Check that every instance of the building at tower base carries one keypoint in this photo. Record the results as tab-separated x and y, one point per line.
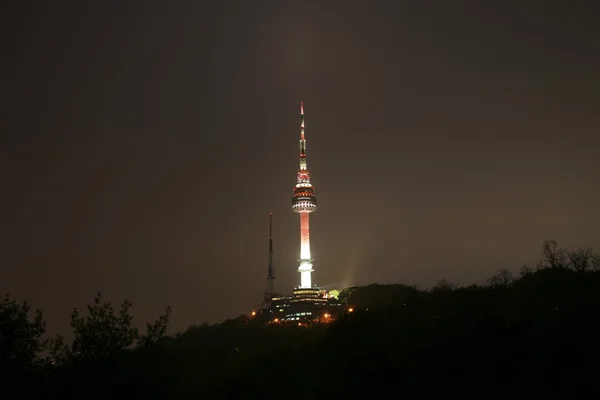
305	305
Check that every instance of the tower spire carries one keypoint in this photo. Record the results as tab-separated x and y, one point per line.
302	140
301	120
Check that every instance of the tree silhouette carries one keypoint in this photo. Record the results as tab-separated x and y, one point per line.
552	255
444	285
102	333
595	262
503	279
157	330
20	338
20	346
581	259
528	333
109	355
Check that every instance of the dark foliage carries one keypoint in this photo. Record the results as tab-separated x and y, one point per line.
532	335
20	346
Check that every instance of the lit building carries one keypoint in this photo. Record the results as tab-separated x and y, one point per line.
311	304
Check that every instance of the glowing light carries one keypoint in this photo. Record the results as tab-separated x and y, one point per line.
304	237
305	269
276	319
350	309
305	266
303	176
253	313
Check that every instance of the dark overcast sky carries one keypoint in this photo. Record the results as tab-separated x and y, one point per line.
145	142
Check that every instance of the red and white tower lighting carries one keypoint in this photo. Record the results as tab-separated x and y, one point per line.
304	202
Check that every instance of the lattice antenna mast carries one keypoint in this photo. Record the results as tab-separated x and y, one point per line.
270	292
271	271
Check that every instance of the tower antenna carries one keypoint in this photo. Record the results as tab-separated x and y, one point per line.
270	292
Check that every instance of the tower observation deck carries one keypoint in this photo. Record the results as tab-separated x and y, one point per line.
304	202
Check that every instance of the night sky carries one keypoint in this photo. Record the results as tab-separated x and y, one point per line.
144	144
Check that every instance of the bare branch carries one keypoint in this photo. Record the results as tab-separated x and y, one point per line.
552	255
595	262
444	285
581	258
503	279
525	270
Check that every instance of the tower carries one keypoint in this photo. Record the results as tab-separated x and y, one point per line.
304	202
270	292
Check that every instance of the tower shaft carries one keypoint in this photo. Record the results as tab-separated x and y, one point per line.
304	237
305	267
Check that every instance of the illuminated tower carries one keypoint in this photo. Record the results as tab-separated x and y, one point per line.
304	202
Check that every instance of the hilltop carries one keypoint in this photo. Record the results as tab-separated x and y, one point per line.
533	332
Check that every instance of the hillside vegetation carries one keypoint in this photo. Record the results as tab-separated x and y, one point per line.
534	333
